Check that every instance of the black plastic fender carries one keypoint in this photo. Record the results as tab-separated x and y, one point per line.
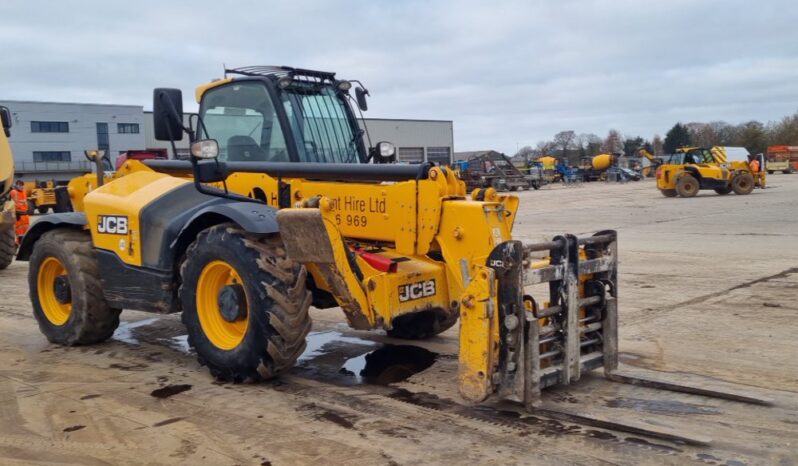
76	220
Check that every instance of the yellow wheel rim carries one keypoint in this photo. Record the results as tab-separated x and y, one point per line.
55	311
223	334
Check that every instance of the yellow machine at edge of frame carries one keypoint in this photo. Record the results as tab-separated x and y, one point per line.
279	208
8	240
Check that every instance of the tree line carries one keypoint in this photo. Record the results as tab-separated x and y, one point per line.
755	136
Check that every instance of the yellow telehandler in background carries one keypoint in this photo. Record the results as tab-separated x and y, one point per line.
283	205
8	244
695	168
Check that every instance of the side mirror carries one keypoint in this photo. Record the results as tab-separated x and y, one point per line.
361	94
383	152
205	149
5	117
167	114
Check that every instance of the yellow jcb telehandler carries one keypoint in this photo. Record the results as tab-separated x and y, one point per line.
695	168
282	206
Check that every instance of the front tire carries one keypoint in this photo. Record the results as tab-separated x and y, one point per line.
669	192
66	291
245	304
687	186
742	183
8	246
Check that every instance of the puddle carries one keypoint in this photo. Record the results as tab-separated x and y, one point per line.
321	343
124	332
170	390
179	343
660	406
336	358
389	364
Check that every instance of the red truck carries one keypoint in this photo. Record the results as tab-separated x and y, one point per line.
146	154
782	158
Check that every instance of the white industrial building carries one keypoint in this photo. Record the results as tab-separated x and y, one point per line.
48	138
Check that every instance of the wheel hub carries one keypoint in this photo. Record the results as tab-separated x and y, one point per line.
232	303
62	290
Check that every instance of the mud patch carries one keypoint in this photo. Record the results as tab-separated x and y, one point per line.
338	418
660	406
170	390
73	428
652	445
166	422
128	367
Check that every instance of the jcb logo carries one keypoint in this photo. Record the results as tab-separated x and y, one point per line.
416	290
112	224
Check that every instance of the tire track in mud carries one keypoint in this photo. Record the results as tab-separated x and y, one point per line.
493	425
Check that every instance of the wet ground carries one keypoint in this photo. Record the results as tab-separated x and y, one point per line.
708	294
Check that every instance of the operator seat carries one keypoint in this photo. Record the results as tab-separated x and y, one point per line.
244	149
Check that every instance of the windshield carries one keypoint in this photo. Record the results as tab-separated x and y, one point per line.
243	119
320	124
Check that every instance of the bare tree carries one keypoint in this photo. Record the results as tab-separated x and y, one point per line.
526	153
657	144
564	140
613	142
545	147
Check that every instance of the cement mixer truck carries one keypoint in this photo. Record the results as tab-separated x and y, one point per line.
606	167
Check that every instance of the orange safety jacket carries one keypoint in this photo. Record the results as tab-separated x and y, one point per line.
20	199
754	166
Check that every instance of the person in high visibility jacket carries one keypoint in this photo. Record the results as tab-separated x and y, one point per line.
20	199
758	172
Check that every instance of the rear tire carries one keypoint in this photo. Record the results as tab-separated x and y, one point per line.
723	191
68	255
669	192
742	183
421	325
274	300
770	172
687	186
8	245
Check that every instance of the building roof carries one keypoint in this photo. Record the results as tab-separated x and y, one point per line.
40	102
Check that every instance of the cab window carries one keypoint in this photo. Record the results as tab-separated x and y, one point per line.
242	119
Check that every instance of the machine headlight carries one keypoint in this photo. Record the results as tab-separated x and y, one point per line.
205	149
386	149
344	85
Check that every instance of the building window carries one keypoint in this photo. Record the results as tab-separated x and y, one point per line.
439	155
49	127
127	128
102	137
411	154
52	156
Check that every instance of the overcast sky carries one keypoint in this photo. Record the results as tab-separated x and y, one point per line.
507	73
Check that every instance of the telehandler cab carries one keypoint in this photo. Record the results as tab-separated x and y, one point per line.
279	209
